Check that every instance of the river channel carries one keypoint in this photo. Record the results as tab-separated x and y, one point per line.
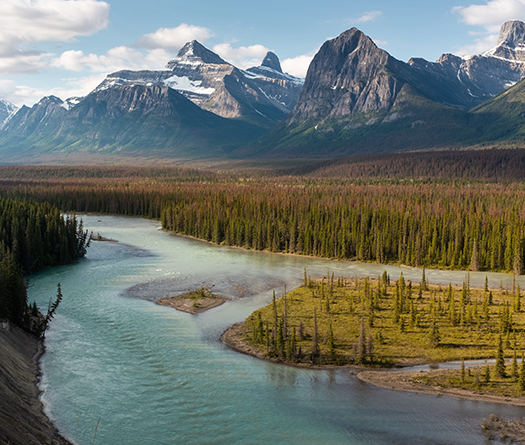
122	370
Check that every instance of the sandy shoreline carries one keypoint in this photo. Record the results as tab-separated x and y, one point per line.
385	378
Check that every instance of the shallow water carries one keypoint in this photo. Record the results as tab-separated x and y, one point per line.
148	374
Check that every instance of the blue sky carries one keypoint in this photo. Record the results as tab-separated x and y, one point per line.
66	47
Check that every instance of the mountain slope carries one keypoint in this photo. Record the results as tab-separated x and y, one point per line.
7	110
358	99
262	97
126	119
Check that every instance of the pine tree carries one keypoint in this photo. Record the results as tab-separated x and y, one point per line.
315	338
275	324
521	378
434	335
293	345
331	344
361	343
514	369
499	369
487	374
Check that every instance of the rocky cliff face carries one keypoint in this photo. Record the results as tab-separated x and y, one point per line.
348	75
7	110
355	94
38	119
22	418
473	79
124	119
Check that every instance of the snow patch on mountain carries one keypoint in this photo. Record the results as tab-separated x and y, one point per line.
185	84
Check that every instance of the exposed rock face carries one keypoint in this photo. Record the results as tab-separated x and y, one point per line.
193	53
473	79
126	117
38	118
22	419
272	61
263	96
7	110
349	74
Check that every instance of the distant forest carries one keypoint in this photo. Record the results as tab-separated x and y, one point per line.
457	210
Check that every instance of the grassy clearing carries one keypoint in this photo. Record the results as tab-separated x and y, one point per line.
381	322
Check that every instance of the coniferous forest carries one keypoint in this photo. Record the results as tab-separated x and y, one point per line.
459	223
33	236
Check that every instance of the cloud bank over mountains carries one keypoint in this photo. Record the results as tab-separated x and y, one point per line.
27	27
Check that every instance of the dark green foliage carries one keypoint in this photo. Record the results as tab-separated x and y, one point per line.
499	369
434	335
514	368
425	223
33	236
521	378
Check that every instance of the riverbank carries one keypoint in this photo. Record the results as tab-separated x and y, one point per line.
408	381
402	380
22	418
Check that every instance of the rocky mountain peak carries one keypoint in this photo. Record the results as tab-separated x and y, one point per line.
272	61
50	100
348	75
194	53
512	33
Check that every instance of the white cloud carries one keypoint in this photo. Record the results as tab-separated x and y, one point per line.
480	45
297	66
23	62
119	58
242	57
24	94
172	39
366	17
29	21
26	22
492	14
380	42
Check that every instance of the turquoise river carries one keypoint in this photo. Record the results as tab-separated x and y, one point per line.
119	369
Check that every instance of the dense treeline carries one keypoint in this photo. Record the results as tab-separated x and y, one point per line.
446	224
504	165
425	224
33	236
480	165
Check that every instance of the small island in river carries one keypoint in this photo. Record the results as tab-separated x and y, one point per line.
194	302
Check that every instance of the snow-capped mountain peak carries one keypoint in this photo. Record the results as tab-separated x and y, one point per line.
193	53
7	111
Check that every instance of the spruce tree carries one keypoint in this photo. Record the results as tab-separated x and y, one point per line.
434	335
499	369
521	378
514	369
331	344
315	339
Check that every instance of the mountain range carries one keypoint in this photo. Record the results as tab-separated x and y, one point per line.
356	98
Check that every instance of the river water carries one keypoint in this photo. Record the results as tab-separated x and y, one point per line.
123	370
